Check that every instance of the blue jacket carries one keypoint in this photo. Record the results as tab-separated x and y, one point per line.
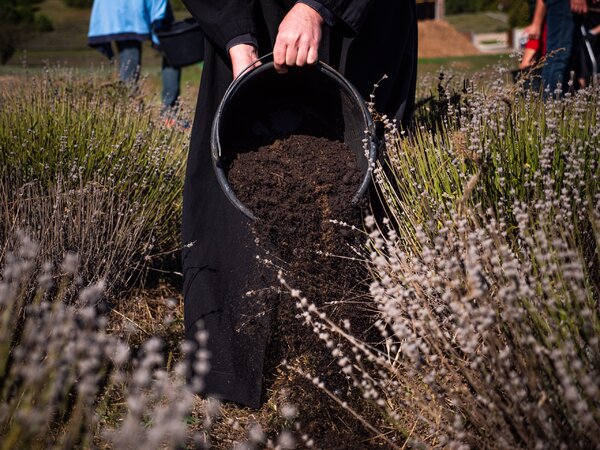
119	20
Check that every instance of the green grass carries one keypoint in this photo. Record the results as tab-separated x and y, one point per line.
465	65
478	22
66	46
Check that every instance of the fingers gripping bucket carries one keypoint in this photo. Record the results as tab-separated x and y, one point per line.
261	106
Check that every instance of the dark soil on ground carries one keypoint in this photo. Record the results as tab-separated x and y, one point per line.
296	187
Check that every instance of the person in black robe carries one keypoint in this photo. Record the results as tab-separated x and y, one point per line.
364	40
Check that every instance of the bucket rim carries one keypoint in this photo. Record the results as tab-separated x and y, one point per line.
268	65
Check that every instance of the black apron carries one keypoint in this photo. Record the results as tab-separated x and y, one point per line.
220	263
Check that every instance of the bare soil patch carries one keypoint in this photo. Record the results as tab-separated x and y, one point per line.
439	39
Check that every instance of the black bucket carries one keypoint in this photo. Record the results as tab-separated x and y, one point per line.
262	105
183	43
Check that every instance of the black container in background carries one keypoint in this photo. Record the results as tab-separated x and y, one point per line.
183	43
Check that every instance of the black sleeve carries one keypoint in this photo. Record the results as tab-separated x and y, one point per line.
223	20
351	12
328	17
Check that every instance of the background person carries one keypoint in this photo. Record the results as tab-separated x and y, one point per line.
535	47
364	39
559	44
128	23
536	33
587	31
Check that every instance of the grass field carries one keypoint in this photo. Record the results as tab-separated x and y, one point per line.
464	64
66	46
484	22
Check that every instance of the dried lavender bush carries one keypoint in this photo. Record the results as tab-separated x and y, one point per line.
85	168
486	278
65	382
60	371
91	173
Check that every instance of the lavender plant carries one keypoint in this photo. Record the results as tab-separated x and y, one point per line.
66	382
87	169
485	278
60	371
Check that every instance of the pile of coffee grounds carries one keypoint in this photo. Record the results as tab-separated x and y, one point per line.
296	187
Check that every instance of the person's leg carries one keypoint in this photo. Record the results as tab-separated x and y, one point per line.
219	259
171	78
592	25
595	43
560	42
130	55
578	61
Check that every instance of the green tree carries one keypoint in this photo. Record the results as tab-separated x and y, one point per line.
17	16
465	6
519	14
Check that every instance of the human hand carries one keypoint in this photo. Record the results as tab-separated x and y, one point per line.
243	55
533	31
528	59
298	38
579	6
